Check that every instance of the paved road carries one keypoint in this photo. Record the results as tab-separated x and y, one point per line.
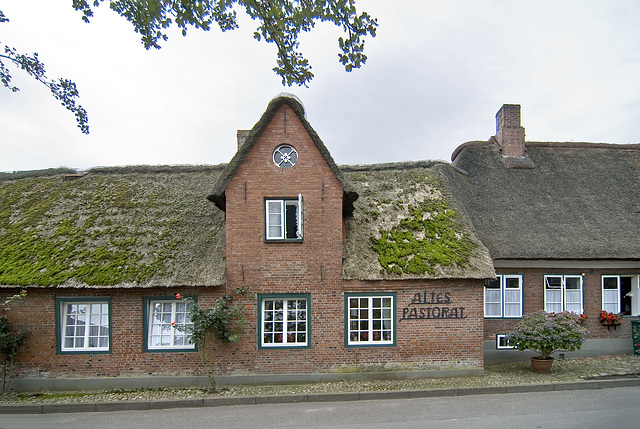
607	408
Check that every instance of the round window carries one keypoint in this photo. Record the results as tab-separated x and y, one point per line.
285	156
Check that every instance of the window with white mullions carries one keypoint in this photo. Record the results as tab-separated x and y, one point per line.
85	326
621	294
370	320
503	296
284	219
611	294
563	293
169	325
284	322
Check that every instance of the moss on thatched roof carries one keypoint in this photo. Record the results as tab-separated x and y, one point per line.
132	226
218	193
152	226
405	226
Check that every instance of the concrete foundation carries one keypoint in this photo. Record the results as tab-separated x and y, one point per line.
151	382
590	348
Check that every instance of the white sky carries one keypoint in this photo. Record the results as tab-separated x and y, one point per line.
437	73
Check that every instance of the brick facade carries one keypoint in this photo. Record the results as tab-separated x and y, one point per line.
436	323
533	300
311	267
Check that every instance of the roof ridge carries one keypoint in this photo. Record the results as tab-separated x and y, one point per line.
585	145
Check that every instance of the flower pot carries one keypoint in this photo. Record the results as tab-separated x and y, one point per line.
541	366
609	324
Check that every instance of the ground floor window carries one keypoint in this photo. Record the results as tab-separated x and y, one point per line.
84	325
168	324
503	296
284	320
563	293
370	319
621	294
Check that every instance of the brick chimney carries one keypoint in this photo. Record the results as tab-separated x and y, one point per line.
509	133
242	136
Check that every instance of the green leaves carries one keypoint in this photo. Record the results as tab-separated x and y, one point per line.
63	90
224	320
545	333
9	345
280	22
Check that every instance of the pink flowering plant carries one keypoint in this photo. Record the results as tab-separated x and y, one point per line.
223	321
546	333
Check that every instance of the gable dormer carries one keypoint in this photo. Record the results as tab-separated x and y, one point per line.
278	118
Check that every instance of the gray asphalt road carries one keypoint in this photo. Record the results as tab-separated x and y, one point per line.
608	408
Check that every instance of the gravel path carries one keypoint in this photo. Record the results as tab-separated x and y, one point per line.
569	370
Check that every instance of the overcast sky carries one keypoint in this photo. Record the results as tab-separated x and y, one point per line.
437	73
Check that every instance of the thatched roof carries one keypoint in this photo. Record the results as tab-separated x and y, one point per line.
218	193
579	201
405	226
124	227
152	226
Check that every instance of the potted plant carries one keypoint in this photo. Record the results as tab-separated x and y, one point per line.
610	318
546	333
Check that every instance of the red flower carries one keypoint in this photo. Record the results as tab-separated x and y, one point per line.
173	323
248	307
178	296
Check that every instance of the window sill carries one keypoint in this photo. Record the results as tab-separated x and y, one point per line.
84	352
167	350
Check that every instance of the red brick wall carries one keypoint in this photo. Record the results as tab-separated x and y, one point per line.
533	295
38	357
313	266
430	343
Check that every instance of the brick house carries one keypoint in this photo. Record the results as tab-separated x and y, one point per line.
103	255
354	271
562	224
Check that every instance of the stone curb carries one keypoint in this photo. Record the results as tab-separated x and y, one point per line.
160	404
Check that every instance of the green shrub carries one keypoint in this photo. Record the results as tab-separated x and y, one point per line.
546	333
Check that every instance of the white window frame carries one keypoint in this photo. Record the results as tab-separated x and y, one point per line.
504	280
615	306
172	321
609	305
368	324
284	321
285	156
275	218
502	342
563	303
83	322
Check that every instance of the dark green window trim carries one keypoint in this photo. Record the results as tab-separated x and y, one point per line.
277	296
394	323
145	324
59	324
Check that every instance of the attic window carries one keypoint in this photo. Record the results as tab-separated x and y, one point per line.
284	219
285	156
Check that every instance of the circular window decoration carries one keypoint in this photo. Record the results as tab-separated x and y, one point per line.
285	156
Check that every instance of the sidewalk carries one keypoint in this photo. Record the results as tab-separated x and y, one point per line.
574	374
